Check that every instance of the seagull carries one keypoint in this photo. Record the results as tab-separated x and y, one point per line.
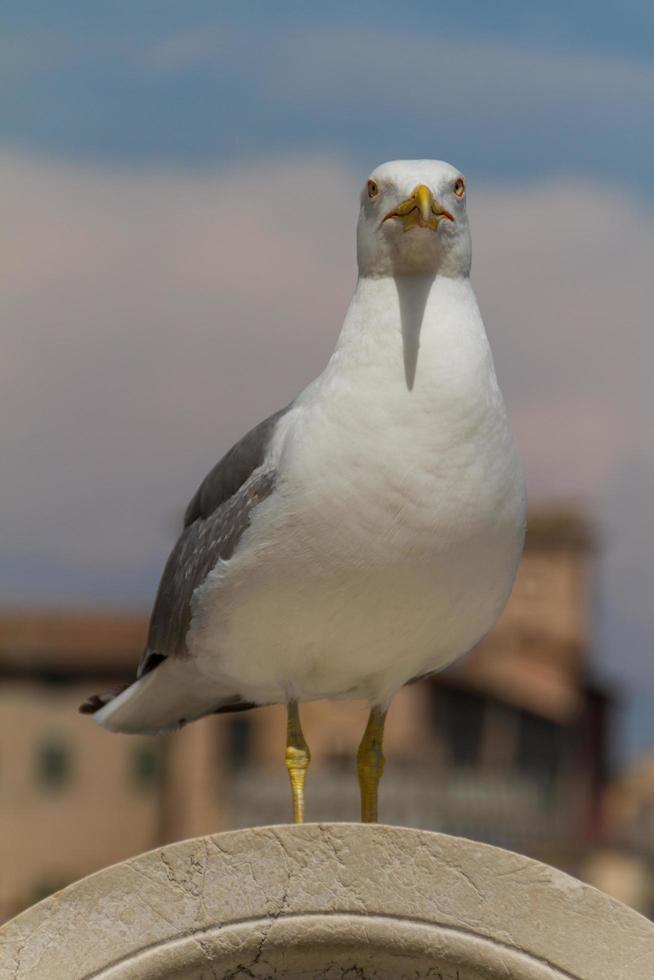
368	534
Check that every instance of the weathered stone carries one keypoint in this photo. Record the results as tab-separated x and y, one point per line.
329	901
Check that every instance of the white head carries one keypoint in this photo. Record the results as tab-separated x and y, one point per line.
413	221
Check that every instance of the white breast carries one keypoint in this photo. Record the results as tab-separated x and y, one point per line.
391	542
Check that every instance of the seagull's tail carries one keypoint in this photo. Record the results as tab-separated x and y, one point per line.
160	701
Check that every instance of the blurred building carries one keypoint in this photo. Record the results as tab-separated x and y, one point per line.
71	800
508	746
630	807
624	867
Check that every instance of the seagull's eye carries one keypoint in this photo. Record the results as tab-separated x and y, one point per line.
373	188
459	186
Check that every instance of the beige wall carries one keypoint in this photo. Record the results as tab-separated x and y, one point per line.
98	815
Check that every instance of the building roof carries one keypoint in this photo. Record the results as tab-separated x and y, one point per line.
561	525
64	639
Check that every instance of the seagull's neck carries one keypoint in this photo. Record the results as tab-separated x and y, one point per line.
388	296
412	331
438	308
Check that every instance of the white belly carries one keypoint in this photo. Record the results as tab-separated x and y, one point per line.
354	591
353	634
390	544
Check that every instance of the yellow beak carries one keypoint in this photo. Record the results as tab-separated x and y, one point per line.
421	209
425	199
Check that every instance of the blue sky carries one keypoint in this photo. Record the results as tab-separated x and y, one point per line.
126	130
519	89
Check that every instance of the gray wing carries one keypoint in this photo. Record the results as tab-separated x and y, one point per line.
214	521
232	471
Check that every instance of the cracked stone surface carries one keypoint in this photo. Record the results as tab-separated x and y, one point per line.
328	902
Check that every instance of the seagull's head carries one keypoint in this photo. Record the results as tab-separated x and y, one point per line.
413	221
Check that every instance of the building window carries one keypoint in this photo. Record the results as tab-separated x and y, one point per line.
539	750
459	716
53	764
238	748
146	767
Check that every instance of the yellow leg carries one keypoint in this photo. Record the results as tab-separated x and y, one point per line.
298	758
370	764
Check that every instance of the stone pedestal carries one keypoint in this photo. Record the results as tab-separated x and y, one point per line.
329	901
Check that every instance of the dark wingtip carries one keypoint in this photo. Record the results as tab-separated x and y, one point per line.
97	701
91	705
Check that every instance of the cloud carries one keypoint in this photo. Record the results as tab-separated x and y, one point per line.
147	321
149	318
200	90
186	50
372	67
